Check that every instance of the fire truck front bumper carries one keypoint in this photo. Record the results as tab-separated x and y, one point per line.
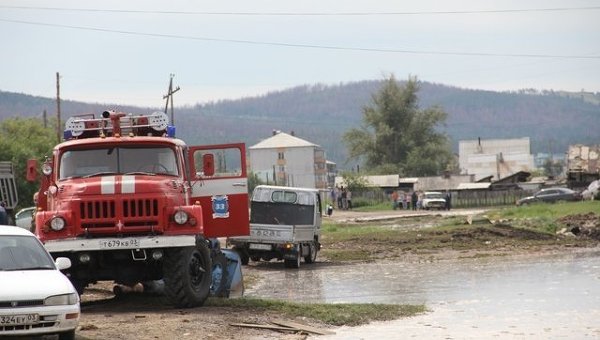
118	243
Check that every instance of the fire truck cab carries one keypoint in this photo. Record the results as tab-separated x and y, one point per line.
128	202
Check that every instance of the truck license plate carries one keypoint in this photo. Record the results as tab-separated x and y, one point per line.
119	243
259	246
22	319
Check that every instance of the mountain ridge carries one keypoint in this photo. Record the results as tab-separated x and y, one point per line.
322	113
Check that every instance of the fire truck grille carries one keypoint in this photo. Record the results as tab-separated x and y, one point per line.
140	208
129	212
97	209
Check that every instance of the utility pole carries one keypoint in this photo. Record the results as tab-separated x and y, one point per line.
58	128
169	96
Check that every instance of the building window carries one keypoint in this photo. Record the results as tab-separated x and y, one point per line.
280	155
282	169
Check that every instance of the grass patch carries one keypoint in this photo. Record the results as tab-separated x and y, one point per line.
542	217
516	228
544	210
350	314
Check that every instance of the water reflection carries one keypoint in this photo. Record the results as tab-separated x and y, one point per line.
527	296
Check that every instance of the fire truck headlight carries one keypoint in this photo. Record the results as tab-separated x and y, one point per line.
181	217
57	223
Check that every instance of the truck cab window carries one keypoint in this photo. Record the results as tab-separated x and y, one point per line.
118	160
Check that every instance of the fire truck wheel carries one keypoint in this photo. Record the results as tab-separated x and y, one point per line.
187	275
220	275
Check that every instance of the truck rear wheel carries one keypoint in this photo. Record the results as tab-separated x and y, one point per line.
187	275
312	253
294	263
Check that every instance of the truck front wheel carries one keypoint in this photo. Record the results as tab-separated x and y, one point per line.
187	275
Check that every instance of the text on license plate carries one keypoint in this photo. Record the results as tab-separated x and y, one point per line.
119	243
23	319
260	246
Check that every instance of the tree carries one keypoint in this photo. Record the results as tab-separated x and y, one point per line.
397	136
22	139
354	181
253	181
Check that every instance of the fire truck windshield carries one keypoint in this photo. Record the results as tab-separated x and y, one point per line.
147	160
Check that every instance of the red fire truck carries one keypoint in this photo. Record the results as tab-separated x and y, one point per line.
126	201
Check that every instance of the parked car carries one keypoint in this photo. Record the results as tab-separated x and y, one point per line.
35	297
433	200
23	218
551	195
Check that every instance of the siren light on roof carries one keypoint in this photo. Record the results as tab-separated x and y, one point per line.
118	123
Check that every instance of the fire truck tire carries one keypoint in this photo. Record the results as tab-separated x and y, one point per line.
312	253
187	275
220	275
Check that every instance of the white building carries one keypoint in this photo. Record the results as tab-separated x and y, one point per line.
495	157
285	159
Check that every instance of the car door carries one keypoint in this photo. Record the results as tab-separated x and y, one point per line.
219	182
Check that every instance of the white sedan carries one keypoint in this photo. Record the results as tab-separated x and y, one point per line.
35	297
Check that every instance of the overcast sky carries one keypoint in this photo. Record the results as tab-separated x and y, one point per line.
124	51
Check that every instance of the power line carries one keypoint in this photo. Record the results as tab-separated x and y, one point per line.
311	46
96	10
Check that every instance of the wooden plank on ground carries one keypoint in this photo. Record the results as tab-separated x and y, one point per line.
272	327
299	326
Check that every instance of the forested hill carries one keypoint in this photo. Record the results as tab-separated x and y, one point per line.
321	114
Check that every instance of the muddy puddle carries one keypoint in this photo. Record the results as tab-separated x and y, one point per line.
551	296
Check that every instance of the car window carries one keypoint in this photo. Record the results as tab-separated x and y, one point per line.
23	253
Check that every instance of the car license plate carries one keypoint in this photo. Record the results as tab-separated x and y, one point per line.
22	319
259	246
119	243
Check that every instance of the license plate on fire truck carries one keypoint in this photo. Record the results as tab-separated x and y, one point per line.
21	319
119	243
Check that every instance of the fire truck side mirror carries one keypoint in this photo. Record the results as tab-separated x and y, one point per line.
32	174
208	164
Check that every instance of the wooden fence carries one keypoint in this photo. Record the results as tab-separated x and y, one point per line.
460	199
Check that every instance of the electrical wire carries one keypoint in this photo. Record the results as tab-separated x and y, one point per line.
525	10
311	46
